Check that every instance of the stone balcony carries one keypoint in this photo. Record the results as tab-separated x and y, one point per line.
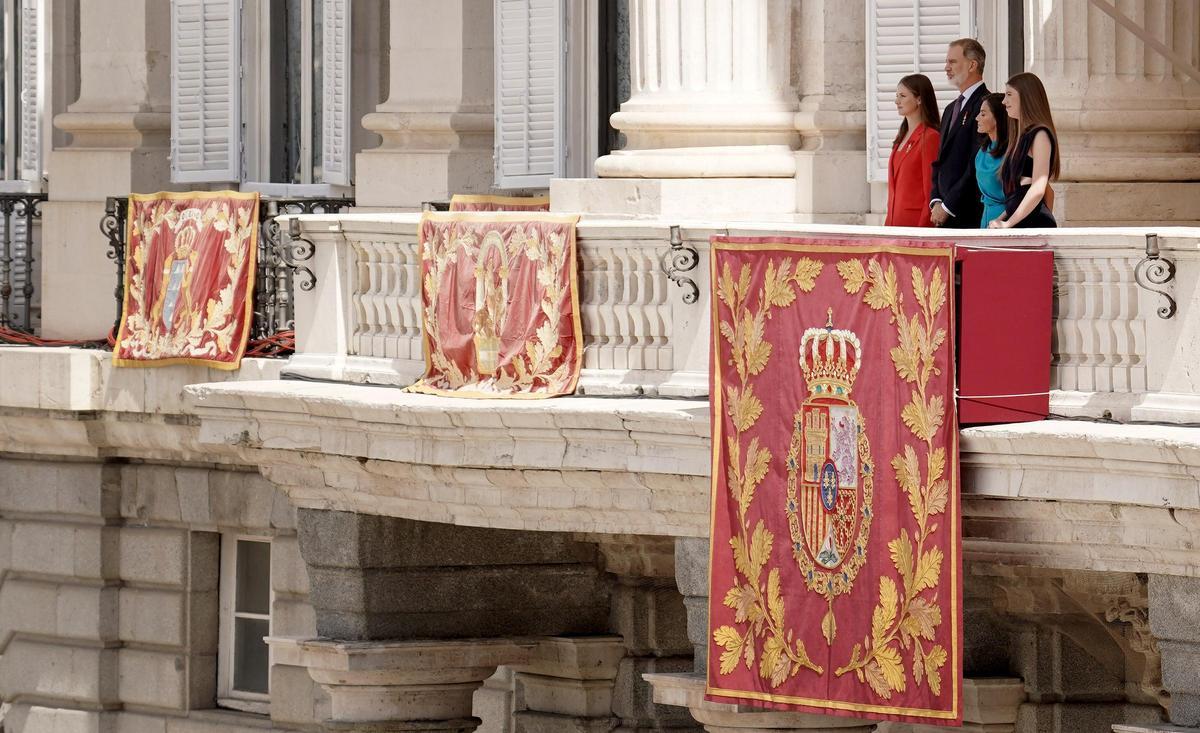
629	455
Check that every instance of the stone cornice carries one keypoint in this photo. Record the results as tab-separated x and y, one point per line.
1058	493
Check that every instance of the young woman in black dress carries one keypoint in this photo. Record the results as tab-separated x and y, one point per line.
1032	159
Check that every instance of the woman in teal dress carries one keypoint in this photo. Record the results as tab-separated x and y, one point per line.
992	122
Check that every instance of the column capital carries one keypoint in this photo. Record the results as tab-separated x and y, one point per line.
687	690
401	685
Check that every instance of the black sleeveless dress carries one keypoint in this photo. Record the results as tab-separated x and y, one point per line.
1018	166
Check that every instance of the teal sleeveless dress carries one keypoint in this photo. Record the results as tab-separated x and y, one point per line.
987	175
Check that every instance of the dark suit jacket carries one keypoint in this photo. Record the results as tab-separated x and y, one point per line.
954	169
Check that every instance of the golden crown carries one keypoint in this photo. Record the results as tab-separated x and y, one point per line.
830	359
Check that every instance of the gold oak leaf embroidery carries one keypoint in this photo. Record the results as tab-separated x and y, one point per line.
907	616
757	602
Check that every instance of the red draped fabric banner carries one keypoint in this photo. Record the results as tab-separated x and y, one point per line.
189	278
500	301
836	546
470	202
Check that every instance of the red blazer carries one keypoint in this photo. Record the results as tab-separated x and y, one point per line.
910	176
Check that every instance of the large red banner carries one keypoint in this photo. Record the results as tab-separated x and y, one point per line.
500	304
836	564
189	275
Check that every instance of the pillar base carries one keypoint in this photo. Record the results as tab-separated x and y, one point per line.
687	690
390	687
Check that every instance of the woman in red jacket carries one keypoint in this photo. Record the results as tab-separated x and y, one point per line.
910	167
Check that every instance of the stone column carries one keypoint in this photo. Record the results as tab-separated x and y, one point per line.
738	107
709	125
1175	623
647	611
1127	115
436	124
691	575
120	133
388	687
712	75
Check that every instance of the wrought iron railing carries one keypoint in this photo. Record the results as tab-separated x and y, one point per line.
280	267
18	253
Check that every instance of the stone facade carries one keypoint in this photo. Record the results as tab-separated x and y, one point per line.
445	565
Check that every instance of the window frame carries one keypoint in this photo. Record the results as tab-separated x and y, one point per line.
227	696
252	49
14	175
256	106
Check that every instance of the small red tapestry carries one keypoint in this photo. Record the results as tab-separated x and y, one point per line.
189	277
836	542
500	302
469	202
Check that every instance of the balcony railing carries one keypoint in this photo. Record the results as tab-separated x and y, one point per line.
281	268
20	220
1114	354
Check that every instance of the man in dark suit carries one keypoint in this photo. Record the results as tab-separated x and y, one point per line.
954	197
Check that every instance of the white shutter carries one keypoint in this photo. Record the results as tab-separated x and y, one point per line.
336	156
30	163
906	37
205	91
529	92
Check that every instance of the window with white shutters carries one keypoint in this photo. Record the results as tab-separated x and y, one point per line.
23	120
22	79
31	113
529	92
906	37
205	91
335	81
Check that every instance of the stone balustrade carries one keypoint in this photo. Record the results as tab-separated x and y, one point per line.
1113	355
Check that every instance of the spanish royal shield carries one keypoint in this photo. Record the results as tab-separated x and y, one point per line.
835	563
829	485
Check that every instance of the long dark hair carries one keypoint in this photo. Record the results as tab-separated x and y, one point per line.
920	87
995	104
1035	113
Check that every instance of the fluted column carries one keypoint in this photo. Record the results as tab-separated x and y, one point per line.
1126	112
712	75
737	107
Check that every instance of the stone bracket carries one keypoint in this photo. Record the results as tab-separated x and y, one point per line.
1155	269
679	260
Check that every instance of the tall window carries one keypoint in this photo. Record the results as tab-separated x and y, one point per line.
243	659
22	90
261	92
557	80
907	37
